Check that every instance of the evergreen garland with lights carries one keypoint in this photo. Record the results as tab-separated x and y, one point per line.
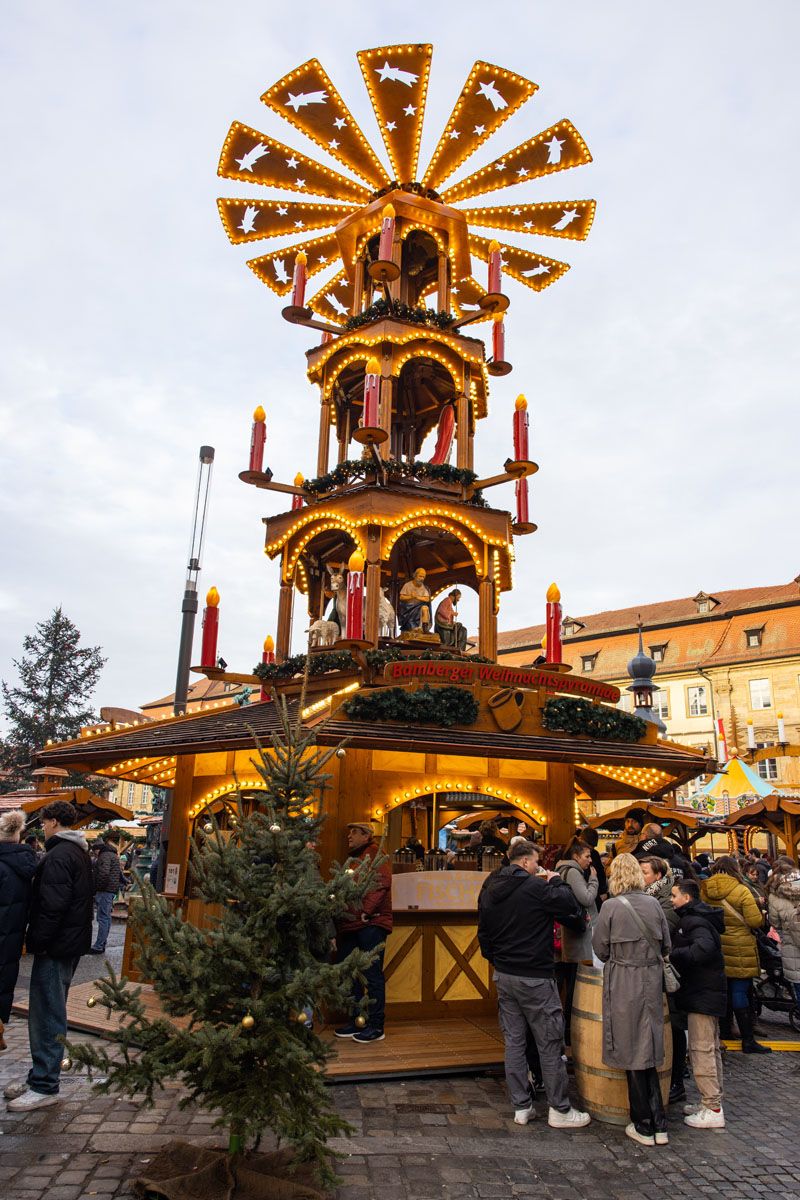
427	706
360	468
237	997
402	312
581	716
342	660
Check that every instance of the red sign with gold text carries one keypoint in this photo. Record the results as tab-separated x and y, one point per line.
466	673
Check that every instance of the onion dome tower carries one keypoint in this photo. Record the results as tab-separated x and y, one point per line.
403	381
641	670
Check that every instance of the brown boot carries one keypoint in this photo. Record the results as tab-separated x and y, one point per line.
3	1045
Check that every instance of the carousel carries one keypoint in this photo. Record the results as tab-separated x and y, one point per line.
392	525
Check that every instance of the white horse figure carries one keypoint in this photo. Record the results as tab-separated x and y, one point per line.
326	630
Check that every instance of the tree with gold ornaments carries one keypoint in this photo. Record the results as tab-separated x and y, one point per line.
239	998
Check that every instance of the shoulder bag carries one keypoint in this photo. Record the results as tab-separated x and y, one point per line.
672	980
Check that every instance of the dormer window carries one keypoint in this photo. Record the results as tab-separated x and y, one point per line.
753	637
569	627
705	603
657	652
588	662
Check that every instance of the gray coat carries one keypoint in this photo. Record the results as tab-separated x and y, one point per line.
784	913
633	987
577	947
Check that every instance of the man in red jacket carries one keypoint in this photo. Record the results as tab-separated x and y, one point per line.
367	929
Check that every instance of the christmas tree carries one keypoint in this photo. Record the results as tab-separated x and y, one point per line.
238	998
50	702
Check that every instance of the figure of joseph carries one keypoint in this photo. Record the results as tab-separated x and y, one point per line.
414	609
446	623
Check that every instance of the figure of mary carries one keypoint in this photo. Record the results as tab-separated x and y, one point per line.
414	608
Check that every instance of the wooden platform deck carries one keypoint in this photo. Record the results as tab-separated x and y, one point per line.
445	1046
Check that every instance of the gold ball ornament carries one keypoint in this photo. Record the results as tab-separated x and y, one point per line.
208	827
301	1018
66	1064
349	871
360	1022
274	828
248	1021
90	1003
340	753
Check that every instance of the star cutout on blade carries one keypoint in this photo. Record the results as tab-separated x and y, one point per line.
492	95
479	129
249	219
298	224
281	210
334	145
410	110
454	135
303	98
340	122
498	166
528	224
391	126
300	182
517	212
292	163
247	161
554	149
522	172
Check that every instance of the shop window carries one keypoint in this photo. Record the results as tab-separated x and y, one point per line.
760	693
767	767
661	703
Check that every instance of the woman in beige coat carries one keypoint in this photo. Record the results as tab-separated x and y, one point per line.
633	994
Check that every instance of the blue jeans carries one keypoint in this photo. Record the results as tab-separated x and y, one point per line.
371	937
47	1020
103	902
739	992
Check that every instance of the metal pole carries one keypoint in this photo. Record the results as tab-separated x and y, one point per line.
189	606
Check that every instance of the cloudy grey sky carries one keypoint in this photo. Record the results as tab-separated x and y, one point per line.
661	372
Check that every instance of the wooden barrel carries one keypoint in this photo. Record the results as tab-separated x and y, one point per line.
603	1091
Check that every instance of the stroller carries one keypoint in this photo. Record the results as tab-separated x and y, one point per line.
772	989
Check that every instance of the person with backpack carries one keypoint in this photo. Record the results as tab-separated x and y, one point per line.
107	879
703	995
576	869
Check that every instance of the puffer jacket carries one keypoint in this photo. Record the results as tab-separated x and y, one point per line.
17	868
107	870
577	947
63	894
784	913
738	940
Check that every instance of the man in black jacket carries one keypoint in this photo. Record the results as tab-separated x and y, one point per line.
697	957
107	878
653	843
516	910
59	932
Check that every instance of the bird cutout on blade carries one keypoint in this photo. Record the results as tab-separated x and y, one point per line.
555	149
250	220
275	269
278	166
488	98
534	270
562	218
334	302
396	78
307	99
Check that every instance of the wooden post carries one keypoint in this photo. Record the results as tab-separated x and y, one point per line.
358	289
323	451
283	640
560	802
387	396
373	584
178	847
462	430
487	621
443	293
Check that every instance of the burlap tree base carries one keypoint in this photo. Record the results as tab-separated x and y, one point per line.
181	1171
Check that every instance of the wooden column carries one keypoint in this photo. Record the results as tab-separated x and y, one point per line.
487	621
323	451
559	806
462	431
283	640
373	584
386	398
349	798
443	293
358	289
344	433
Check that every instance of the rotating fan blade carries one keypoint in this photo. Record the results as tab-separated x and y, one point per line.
309	101
275	269
488	98
465	296
250	220
334	301
555	149
562	218
255	158
534	270
397	82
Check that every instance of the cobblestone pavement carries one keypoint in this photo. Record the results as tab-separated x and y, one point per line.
436	1139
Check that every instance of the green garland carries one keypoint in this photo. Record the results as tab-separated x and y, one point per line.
342	660
359	468
403	312
428	706
379	658
603	724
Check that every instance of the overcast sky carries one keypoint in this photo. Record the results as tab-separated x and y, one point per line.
661	372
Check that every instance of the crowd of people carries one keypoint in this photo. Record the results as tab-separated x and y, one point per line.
659	925
47	898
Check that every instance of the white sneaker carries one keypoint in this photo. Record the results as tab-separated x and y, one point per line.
644	1139
13	1090
29	1100
661	1137
706	1118
573	1119
692	1108
523	1115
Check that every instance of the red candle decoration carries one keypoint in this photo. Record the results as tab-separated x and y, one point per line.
495	267
444	435
268	656
326	338
386	246
498	338
297	501
553	624
372	383
257	439
354	621
299	280
520	429
208	653
521	487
